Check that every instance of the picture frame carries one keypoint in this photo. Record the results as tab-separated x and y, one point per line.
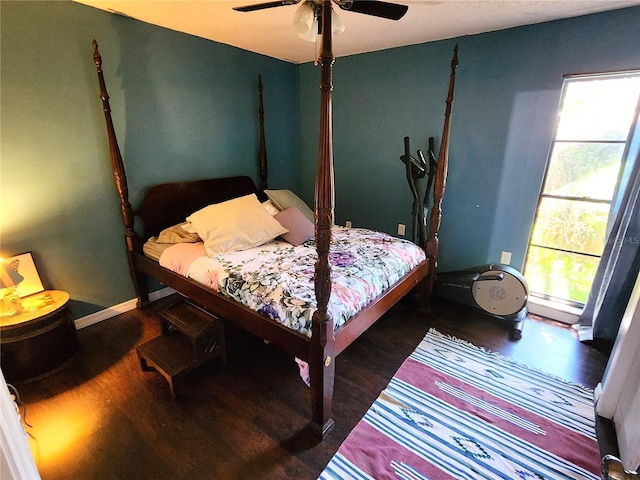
26	267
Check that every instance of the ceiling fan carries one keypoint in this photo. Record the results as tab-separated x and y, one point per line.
391	11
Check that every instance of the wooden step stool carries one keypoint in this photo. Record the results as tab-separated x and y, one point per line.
190	337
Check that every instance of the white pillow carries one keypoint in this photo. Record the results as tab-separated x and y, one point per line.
234	225
270	208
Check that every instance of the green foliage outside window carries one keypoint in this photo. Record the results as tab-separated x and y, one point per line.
571	221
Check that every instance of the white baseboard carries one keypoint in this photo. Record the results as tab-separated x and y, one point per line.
107	313
535	305
554	311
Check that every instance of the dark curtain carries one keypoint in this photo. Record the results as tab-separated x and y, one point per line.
618	268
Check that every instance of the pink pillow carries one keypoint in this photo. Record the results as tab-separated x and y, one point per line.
299	226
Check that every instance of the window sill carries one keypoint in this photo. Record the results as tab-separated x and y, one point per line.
553	310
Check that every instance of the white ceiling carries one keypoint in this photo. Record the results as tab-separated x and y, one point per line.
270	32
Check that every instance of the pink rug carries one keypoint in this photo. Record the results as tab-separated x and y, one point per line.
455	411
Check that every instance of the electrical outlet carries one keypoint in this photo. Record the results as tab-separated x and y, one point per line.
347	224
401	229
505	258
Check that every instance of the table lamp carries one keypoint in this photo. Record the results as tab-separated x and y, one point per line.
9	280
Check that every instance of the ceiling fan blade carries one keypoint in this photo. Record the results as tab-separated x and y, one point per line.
392	11
261	6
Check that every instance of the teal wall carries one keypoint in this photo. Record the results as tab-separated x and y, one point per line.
183	108
507	93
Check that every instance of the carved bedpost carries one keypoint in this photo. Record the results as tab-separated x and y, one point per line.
322	361
440	183
263	147
117	165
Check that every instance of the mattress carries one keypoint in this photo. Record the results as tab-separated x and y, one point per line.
277	278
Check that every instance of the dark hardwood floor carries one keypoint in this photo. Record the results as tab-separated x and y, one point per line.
102	417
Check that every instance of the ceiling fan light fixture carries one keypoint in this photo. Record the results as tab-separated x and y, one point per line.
305	21
336	23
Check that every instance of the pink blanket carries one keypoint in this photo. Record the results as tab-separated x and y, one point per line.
179	257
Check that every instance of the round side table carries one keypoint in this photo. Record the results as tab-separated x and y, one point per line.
40	340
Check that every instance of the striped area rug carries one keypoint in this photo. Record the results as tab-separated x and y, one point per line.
455	411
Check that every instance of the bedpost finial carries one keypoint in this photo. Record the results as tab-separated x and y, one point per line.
96	54
454	60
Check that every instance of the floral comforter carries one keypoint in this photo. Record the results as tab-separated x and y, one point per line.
276	279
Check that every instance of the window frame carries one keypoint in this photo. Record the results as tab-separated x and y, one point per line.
624	160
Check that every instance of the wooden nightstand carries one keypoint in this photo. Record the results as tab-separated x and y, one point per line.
40	340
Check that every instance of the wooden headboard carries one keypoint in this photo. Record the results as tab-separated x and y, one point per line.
168	204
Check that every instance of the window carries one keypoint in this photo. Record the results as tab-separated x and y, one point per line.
596	116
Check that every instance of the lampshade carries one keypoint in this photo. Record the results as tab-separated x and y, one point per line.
305	21
9	277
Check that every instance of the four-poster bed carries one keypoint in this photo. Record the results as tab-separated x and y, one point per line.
169	204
